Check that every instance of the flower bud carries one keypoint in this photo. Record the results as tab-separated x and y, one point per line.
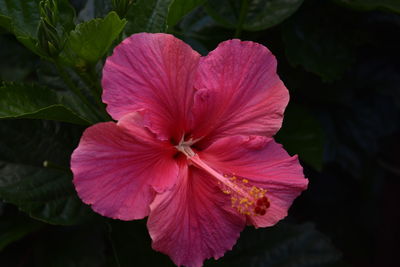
49	35
121	6
49	11
48	39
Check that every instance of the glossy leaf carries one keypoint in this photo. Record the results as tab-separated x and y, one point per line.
302	134
21	17
180	8
45	140
148	16
257	14
16	62
91	40
35	102
200	31
45	193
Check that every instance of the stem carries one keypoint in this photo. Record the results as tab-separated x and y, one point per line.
243	12
52	165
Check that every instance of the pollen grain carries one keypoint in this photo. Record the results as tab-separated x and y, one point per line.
247	199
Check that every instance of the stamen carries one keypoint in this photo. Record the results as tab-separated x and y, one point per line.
246	198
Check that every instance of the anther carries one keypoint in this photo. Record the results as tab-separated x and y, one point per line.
246	198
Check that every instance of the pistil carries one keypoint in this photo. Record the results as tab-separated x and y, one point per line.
246	198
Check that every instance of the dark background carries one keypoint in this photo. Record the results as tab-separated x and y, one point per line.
341	64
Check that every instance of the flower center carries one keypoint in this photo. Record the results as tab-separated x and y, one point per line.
246	198
184	147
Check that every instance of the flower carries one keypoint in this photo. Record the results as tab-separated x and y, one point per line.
192	147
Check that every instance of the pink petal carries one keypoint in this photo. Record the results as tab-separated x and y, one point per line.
155	72
266	164
194	221
117	173
239	92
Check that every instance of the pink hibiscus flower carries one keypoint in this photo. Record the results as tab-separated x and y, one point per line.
192	147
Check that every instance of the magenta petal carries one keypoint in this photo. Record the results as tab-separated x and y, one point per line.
265	164
118	174
239	92
194	221
155	72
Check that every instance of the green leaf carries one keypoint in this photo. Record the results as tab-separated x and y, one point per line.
66	14
21	17
390	5
45	193
91	40
57	20
200	31
13	228
121	7
319	44
279	246
302	134
35	102
44	140
257	14
180	8
16	62
148	16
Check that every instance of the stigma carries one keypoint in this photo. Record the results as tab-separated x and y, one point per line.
247	199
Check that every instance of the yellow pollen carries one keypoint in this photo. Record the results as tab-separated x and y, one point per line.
243	200
244	196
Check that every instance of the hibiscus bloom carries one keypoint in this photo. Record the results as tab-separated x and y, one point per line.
192	147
